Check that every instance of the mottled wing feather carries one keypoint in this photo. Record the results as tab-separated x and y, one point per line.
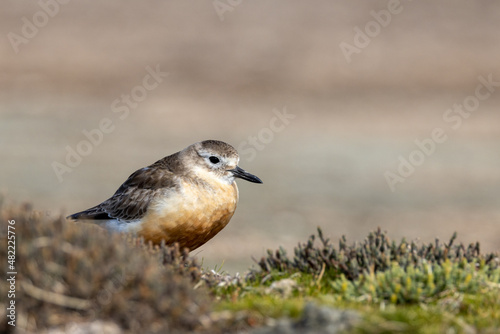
131	200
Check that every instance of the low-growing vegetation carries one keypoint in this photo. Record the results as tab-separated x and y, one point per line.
76	273
72	274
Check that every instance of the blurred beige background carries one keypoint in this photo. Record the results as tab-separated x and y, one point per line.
228	74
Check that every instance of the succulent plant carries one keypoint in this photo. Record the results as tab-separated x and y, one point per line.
375	254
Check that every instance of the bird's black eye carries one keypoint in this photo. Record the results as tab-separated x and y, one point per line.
214	160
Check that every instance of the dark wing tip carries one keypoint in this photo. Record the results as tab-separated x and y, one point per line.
90	215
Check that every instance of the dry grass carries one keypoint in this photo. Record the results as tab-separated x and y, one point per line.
76	273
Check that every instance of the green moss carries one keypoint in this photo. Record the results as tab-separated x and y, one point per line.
273	306
423	289
75	273
481	310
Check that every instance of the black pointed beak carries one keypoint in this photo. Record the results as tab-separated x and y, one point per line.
242	174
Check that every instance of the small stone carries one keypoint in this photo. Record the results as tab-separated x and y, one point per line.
101	327
315	320
285	287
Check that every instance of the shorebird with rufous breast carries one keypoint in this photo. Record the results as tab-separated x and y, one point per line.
187	197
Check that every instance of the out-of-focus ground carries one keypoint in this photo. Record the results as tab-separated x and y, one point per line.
352	121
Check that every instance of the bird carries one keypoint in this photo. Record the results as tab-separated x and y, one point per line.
186	198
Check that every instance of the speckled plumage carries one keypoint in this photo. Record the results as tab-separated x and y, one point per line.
184	198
